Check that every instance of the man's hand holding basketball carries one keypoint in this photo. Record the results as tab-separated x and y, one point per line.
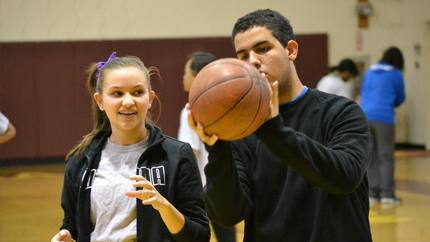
274	102
199	129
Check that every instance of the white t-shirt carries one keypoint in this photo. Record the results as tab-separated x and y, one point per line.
334	85
186	134
4	123
112	212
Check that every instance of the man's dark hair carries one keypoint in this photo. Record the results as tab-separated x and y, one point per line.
277	24
346	65
394	57
200	60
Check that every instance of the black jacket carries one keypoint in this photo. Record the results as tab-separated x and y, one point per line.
181	186
300	177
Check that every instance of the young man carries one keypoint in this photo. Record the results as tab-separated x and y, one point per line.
302	175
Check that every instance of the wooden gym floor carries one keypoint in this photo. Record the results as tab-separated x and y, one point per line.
30	203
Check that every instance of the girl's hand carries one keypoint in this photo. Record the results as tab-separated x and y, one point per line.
173	219
148	194
62	236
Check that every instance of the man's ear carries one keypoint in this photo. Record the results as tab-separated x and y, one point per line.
292	50
98	99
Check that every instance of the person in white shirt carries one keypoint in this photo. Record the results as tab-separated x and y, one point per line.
7	130
335	81
195	63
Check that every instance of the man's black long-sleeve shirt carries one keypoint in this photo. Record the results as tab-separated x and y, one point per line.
300	177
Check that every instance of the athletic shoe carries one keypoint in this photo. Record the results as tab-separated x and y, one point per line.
390	200
373	200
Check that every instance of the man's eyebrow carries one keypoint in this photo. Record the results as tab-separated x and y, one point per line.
256	45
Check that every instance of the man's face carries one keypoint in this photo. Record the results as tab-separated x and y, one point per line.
261	49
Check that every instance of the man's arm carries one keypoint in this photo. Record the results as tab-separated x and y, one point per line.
338	166
228	188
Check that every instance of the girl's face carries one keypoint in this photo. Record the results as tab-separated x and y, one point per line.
126	99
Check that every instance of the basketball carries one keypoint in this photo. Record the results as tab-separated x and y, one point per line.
230	98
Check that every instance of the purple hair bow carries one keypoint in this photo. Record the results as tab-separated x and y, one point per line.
102	63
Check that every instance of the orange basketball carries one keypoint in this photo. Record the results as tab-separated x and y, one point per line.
230	98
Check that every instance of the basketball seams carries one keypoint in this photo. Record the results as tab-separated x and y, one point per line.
216	84
250	75
261	84
256	113
232	107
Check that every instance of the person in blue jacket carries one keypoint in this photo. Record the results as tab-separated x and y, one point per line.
383	90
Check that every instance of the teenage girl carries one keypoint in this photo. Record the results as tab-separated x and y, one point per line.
126	181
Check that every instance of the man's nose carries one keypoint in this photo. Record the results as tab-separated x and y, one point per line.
254	60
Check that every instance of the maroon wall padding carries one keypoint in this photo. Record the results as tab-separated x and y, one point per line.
18	99
43	85
312	60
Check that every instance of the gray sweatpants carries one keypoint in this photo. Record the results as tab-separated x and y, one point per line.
381	167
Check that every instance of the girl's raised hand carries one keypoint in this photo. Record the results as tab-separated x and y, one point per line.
62	236
148	194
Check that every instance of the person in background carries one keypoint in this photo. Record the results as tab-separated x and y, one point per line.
302	175
383	90
334	82
7	130
195	63
126	181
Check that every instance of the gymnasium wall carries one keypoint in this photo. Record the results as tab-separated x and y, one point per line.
401	23
43	85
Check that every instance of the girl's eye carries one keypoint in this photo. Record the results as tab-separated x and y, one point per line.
138	93
117	94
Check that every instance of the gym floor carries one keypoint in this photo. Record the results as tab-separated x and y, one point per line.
30	202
